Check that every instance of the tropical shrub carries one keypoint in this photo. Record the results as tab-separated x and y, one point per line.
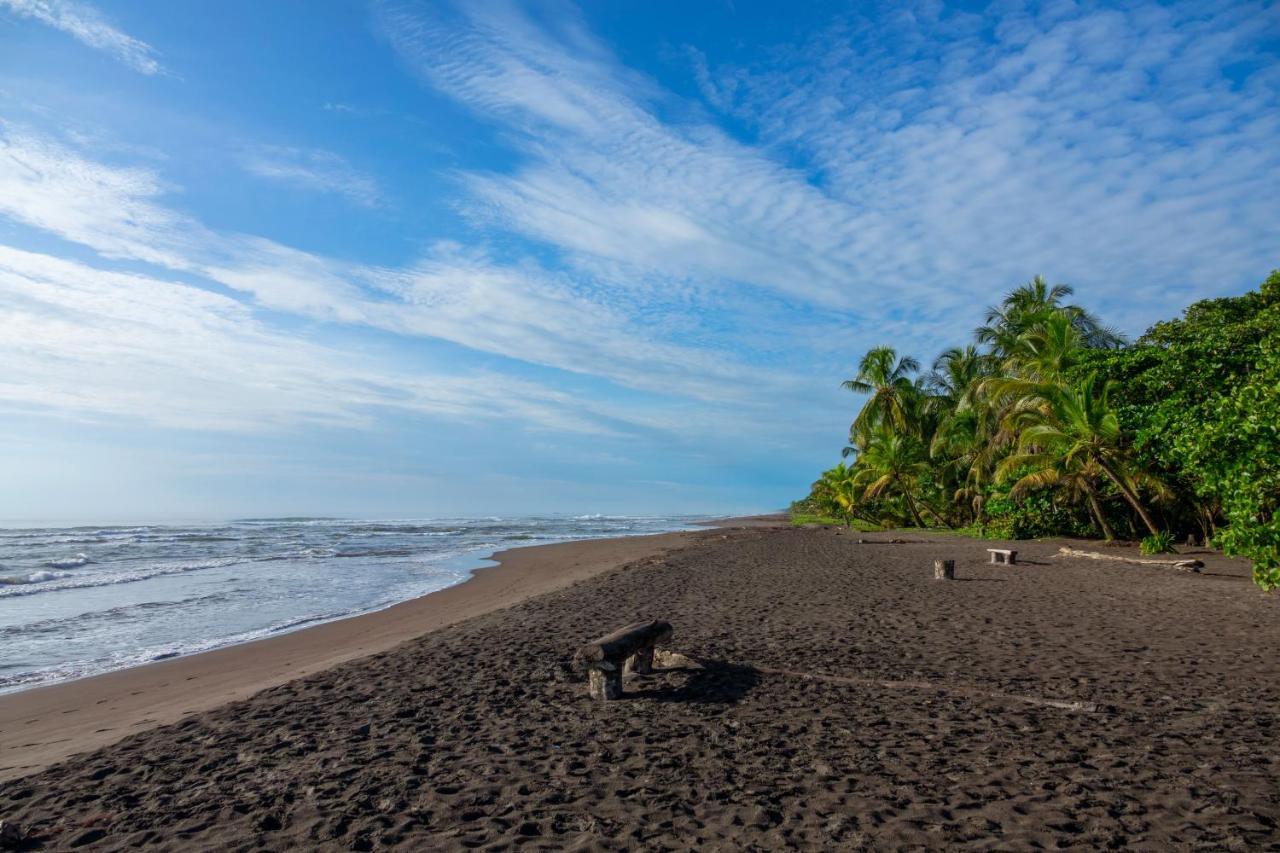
1157	543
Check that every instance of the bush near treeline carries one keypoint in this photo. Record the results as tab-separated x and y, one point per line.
1050	423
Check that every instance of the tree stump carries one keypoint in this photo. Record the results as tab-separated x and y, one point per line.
944	570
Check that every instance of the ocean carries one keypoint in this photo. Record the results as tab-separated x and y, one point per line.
77	601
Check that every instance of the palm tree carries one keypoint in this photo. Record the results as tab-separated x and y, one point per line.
835	488
886	378
1077	482
960	442
956	373
1070	428
892	462
1046	351
1028	306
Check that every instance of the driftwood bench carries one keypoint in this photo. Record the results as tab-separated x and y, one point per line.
604	659
1003	556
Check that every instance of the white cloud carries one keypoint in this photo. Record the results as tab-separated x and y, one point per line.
310	169
90	342
926	168
114	210
83	22
520	311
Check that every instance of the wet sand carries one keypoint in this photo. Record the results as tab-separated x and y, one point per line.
845	699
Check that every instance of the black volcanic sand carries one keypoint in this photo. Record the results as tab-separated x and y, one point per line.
930	723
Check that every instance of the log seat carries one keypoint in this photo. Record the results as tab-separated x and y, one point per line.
1003	556
605	659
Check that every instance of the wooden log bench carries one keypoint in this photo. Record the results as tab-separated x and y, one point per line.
1003	556
605	659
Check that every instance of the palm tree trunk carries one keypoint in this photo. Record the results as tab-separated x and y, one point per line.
1128	495
934	513
1097	512
911	505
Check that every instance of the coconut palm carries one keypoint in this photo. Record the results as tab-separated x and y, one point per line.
1028	306
836	492
1046	351
956	373
1064	429
886	378
893	462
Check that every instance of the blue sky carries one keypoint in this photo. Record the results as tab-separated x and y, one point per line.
405	258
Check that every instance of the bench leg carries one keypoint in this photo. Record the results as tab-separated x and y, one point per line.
642	661
605	683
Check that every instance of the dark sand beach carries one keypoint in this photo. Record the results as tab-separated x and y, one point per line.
846	700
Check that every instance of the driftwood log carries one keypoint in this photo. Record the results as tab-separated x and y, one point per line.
944	570
1180	565
605	659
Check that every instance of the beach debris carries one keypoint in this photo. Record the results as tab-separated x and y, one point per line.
667	659
1003	556
944	570
631	647
10	835
1180	565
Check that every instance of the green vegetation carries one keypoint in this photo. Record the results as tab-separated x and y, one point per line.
1051	424
1157	543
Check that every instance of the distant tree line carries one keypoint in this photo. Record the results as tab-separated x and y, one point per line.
1050	423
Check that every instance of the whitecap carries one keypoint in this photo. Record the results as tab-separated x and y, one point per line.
35	577
70	563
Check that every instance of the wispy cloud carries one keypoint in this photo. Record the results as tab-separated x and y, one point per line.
910	163
85	23
310	169
518	310
89	342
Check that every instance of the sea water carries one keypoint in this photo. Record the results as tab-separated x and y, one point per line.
76	601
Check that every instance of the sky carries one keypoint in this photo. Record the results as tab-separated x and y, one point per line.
402	259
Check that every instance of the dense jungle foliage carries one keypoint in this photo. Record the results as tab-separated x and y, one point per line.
1050	423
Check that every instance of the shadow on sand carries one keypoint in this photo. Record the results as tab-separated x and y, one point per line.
715	683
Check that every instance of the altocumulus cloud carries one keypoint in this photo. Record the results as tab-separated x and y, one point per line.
932	158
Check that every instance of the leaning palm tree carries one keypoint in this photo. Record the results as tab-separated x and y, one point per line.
1068	428
886	378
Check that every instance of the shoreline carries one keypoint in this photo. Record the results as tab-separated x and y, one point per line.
44	725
